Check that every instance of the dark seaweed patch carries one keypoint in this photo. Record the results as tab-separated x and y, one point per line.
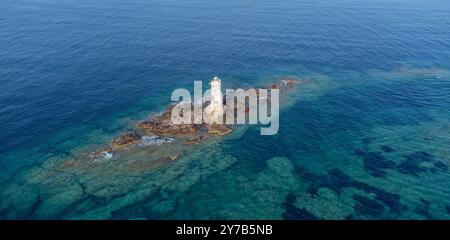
390	199
367	140
361	151
375	163
34	207
350	217
143	208
439	166
366	206
412	163
294	213
423	209
419	156
85	204
386	149
337	180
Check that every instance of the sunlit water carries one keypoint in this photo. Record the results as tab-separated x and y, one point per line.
366	136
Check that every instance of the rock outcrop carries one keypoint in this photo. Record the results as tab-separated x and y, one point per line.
285	83
125	140
161	124
102	154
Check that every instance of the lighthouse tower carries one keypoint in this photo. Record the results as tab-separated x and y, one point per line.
216	101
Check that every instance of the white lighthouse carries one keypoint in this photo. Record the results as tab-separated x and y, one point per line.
216	107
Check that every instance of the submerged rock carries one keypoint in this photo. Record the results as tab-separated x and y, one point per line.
175	156
285	83
145	166
288	82
196	139
101	156
23	199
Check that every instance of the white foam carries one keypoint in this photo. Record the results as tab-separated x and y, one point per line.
103	156
154	140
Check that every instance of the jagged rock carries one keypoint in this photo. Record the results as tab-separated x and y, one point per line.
125	140
285	83
161	124
147	124
288	82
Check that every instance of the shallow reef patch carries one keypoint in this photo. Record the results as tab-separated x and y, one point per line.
323	205
294	213
338	180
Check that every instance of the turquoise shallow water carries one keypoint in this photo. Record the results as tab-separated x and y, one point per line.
365	136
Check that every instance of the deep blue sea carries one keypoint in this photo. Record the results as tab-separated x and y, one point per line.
366	136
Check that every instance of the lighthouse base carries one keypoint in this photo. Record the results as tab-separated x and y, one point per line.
219	129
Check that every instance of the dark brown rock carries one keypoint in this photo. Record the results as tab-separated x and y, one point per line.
161	124
285	83
125	140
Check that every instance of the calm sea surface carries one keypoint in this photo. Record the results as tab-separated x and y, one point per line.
366	137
